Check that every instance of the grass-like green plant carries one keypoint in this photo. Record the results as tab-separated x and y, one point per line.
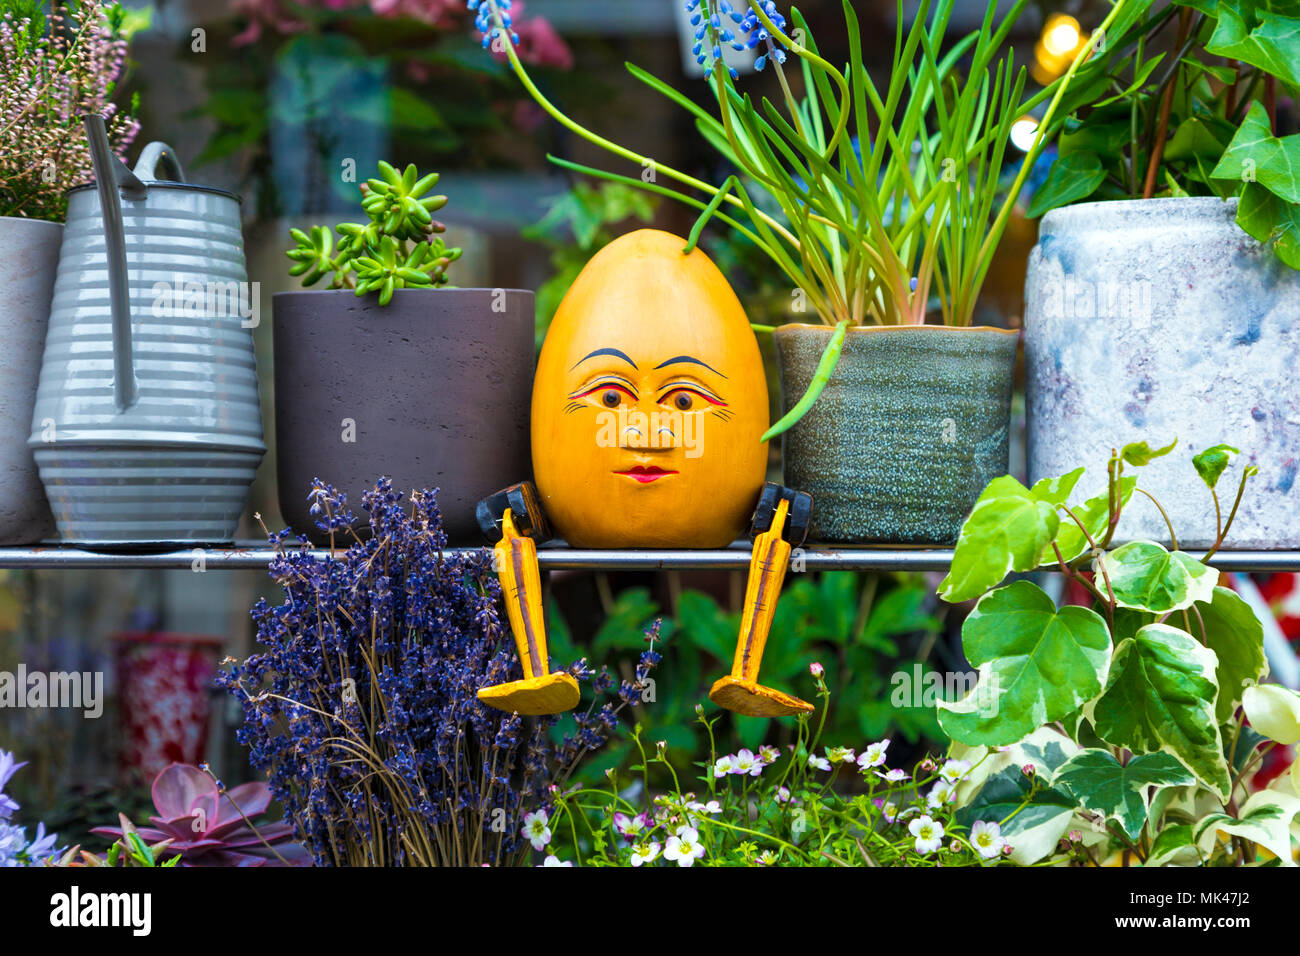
398	247
870	200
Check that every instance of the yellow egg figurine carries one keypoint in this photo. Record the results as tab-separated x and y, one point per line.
649	403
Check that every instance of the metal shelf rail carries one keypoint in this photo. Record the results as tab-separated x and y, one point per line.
256	556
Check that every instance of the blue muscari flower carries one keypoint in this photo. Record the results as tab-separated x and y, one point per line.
760	62
911	283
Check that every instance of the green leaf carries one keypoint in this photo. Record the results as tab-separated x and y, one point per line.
1035	828
1236	636
1072	178
1173	841
1265	819
1009	529
1269	219
1256	155
1210	463
1094	514
1055	491
1272	44
1036	665
1120	792
1140	453
1193	138
707	626
1160	698
1145	576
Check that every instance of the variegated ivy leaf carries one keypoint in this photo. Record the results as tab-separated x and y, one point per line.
1032	825
1147	577
1009	529
1160	698
1120	792
1229	627
1173	844
1094	514
1265	819
1036	665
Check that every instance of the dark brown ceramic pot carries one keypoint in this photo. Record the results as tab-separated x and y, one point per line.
432	390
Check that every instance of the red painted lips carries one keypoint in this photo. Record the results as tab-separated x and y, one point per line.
645	474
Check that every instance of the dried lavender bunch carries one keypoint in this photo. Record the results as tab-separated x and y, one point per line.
54	70
363	706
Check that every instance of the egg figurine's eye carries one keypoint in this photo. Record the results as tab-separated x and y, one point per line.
610	398
682	401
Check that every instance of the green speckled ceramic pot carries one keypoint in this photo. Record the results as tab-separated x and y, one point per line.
913	424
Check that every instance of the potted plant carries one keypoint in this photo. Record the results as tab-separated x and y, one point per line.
387	371
53	69
892	424
1162	294
1137	721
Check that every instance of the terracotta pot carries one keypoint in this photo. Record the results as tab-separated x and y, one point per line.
912	425
432	391
164	684
1157	319
30	251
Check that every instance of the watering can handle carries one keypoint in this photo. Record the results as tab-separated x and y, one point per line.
146	167
112	175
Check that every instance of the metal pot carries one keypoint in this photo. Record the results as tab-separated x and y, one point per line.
30	250
147	428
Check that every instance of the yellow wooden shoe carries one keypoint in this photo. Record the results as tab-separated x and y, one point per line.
754	700
548	694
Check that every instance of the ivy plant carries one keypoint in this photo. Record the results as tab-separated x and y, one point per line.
1187	105
1131	710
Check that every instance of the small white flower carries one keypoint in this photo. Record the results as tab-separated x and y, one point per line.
746	764
874	755
556	861
769	754
782	794
724	766
986	838
954	770
839	754
766	858
818	763
942	792
928	833
645	853
893	776
684	847
889	811
536	831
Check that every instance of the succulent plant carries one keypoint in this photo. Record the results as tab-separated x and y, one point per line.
399	247
130	850
203	824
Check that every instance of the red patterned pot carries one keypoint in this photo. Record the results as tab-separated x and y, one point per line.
163	698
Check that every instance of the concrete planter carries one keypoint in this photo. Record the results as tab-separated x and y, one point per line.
912	425
432	390
1160	319
30	250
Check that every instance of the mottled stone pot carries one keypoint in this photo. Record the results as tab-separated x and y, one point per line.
29	249
912	425
432	390
1159	319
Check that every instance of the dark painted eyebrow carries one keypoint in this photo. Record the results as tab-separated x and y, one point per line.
614	352
688	358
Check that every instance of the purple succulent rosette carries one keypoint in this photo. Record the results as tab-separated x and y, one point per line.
211	828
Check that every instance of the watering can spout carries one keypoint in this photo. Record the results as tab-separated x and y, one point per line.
112	175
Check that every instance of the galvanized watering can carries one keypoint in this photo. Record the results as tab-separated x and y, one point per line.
147	429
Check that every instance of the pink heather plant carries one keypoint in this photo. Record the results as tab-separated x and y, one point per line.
51	74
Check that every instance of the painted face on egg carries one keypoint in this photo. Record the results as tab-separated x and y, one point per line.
649	402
